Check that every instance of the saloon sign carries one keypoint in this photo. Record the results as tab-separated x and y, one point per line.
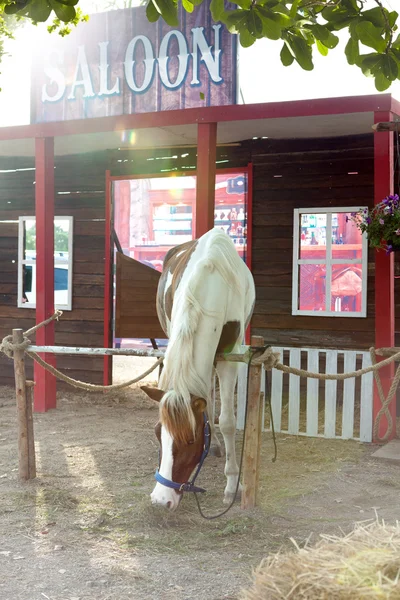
119	63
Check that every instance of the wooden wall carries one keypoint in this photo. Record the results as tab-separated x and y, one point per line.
79	183
313	173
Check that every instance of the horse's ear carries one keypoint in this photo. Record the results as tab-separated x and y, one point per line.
199	404
153	392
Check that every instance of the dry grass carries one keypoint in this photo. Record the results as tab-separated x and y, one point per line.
362	565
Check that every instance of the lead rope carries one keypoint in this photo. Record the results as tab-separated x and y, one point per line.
212	517
267	386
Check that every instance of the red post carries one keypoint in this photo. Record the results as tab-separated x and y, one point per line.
384	266
45	388
108	283
205	182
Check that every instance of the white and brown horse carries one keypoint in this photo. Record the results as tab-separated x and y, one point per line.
205	301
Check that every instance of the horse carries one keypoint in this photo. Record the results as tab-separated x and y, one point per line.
205	300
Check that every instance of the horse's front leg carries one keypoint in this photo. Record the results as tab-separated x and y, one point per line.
227	374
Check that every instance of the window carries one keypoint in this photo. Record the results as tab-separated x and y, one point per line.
329	264
62	262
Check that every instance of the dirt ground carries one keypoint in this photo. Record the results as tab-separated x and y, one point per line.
85	528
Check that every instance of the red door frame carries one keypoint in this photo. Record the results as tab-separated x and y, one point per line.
109	250
384	268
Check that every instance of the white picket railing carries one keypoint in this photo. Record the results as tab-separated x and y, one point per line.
332	409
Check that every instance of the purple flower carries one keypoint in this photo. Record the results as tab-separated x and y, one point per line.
381	221
368	219
347	219
389	249
353	214
397	232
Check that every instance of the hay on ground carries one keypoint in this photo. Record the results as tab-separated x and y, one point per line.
362	565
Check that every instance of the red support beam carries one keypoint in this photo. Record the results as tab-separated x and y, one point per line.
108	283
209	114
384	266
205	181
45	388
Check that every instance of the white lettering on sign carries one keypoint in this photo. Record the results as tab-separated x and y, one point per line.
56	76
86	80
104	90
129	64
201	52
163	58
212	63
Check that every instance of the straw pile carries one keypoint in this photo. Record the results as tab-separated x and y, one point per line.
360	566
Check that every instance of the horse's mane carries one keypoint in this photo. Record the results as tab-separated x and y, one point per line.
179	375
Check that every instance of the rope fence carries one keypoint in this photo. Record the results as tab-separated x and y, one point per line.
269	359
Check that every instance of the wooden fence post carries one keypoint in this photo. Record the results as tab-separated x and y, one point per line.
251	456
22	396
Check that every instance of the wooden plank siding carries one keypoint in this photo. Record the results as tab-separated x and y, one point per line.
291	174
312	173
79	188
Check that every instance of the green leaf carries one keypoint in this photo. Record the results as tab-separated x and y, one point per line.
152	13
370	63
168	10
69	2
246	39
287	57
254	24
396	43
323	34
293	10
335	14
64	13
393	16
244	4
202	96
370	35
302	52
375	16
12	9
188	6
352	51
38	10
236	20
381	82
321	48
390	68
269	21
320	32
217	8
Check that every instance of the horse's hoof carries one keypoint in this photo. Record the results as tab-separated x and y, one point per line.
229	496
216	451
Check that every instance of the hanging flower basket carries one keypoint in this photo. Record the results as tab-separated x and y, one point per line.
381	224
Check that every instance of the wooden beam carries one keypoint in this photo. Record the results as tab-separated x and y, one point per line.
45	388
384	266
21	392
251	453
387	126
205	180
387	351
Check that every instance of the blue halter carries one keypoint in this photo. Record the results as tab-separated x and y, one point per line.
189	485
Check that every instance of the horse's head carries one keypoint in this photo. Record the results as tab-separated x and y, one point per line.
180	432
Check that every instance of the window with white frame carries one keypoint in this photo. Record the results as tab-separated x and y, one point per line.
329	263
63	241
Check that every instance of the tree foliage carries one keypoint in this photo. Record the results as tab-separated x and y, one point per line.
60	239
303	26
